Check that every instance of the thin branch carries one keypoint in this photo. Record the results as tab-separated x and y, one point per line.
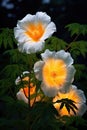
72	42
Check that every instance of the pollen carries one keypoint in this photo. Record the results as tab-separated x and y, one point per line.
35	31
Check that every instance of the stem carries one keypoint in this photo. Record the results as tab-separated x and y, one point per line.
72	42
25	93
29	93
35	98
29	124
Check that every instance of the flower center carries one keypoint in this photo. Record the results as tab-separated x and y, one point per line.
54	72
35	31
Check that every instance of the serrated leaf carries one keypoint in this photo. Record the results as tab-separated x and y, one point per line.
80	69
69	104
16	56
62	105
72	108
79	48
55	44
76	28
5	85
67	107
12	71
7	38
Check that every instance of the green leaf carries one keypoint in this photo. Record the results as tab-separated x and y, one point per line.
5	86
69	104
76	28
67	107
12	71
55	44
43	113
7	38
80	69
16	56
75	122
62	105
79	48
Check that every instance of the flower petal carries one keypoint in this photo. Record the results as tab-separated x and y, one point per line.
43	17
38	69
47	91
66	56
82	109
20	96
31	48
47	54
51	28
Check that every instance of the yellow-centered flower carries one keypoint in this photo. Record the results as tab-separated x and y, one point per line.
75	95
55	71
23	93
32	31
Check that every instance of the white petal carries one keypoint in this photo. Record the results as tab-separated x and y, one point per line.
30	47
20	96
65	56
43	17
70	74
20	35
50	29
82	109
17	80
80	94
28	17
69	79
47	54
25	72
50	92
38	69
24	23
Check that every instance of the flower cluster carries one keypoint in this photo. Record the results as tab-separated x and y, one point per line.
55	70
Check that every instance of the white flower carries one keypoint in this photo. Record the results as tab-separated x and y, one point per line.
23	93
32	31
75	95
55	71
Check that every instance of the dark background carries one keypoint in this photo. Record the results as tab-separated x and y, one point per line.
62	12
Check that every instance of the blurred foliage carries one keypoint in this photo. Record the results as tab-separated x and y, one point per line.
76	28
16	114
